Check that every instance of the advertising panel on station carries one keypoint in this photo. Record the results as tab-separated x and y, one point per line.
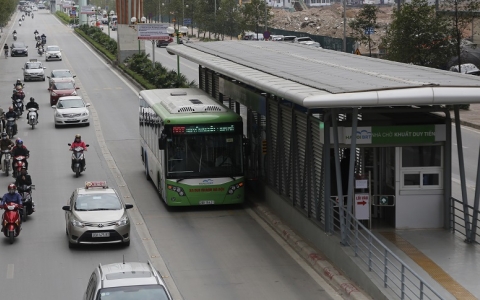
156	31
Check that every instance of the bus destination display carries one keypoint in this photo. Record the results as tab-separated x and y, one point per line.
194	129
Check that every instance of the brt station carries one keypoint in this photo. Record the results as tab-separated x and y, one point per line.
323	125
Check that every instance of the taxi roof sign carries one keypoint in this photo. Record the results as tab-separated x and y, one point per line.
96	184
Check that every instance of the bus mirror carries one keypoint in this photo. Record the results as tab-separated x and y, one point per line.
162	142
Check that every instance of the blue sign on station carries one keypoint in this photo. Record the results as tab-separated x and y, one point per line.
187	21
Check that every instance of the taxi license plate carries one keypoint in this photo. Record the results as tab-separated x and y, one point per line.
71	120
206	202
100	234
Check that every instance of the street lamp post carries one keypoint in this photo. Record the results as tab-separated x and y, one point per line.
109	15
143	20
183	30
133	20
163	5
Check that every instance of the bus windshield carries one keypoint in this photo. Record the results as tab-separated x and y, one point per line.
206	155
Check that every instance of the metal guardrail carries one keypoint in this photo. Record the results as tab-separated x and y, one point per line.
377	258
457	220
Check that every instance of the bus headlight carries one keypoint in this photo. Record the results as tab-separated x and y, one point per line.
177	189
234	187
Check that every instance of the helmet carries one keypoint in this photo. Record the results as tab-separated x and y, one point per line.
4	136
12	188
10	108
32	99
19	142
18	80
78	137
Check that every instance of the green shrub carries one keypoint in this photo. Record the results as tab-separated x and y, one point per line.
138	66
64	17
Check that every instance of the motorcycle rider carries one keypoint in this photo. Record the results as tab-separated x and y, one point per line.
38	44
5	144
35	32
23	179
79	143
6	48
12	114
20	150
19	83
12	196
14	31
44	38
32	15
32	104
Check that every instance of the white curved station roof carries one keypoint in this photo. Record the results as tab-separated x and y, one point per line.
314	77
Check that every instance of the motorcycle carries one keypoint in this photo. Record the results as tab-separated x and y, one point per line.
14	36
6	53
19	162
78	160
27	200
11	221
19	23
32	16
32	117
18	107
40	50
10	127
23	18
7	157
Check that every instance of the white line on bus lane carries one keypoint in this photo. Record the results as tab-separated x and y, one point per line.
136	218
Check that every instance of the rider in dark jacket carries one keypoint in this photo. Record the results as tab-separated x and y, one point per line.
22	180
33	104
20	150
5	144
12	114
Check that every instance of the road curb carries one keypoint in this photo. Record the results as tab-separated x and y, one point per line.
315	259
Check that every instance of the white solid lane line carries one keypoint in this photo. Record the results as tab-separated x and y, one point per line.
10	271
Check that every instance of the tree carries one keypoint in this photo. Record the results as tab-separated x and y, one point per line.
364	23
255	13
461	14
419	36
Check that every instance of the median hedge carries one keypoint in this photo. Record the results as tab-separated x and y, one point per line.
138	66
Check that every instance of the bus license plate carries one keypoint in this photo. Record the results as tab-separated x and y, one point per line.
207	202
100	234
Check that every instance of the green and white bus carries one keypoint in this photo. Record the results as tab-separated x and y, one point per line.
192	147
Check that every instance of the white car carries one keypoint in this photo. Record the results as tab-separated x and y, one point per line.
53	52
71	110
33	70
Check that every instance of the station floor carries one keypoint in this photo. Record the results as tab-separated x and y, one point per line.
442	258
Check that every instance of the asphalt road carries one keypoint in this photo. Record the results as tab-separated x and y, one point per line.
203	253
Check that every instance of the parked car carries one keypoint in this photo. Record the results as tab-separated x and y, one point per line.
53	52
302	39
33	70
72	110
18	49
470	69
61	87
276	37
164	43
311	44
126	280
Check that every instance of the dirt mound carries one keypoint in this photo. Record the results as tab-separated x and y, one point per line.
328	21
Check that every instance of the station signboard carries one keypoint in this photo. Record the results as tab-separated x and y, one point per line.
150	31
